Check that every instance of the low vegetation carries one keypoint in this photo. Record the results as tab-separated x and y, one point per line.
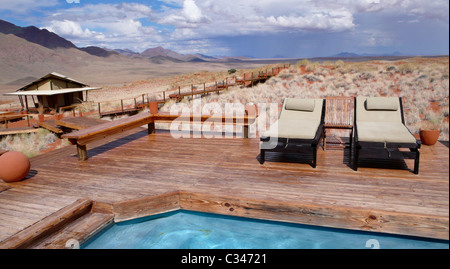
28	144
422	83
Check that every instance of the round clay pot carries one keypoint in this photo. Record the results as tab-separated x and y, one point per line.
14	166
429	137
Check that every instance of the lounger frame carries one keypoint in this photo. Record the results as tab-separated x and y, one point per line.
358	145
292	145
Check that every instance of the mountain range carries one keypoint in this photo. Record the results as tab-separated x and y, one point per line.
51	40
27	53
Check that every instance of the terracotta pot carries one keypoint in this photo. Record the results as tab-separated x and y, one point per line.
41	117
14	166
58	116
429	137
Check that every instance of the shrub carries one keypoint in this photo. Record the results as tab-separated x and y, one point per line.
303	62
339	64
406	68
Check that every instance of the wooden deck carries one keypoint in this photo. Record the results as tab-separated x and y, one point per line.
141	174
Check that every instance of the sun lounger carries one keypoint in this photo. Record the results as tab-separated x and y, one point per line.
300	125
379	123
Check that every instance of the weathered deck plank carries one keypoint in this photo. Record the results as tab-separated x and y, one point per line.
224	176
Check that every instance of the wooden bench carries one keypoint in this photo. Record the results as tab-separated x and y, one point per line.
82	137
85	136
339	115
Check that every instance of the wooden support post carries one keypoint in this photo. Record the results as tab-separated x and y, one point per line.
164	96
151	128
192	91
245	130
82	152
135	103
143	100
121	104
26	104
99	111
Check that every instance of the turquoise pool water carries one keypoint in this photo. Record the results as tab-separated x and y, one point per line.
194	230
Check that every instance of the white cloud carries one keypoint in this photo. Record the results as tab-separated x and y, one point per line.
338	20
71	29
190	16
115	24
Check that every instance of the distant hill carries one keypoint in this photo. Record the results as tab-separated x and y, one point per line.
346	54
47	39
128	52
160	51
35	35
351	54
100	52
160	59
196	60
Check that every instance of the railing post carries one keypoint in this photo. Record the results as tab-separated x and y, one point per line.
153	107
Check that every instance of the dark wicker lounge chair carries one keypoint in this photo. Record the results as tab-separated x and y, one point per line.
379	123
300	125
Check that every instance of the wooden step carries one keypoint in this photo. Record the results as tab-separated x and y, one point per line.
77	232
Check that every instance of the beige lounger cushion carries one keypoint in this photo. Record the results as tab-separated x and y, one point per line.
363	114
290	114
293	129
382	103
385	132
300	104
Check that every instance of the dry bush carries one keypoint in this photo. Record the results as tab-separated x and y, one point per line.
28	144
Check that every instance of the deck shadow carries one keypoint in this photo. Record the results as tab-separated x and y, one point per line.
379	158
116	143
445	143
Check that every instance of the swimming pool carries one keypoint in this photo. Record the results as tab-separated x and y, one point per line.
194	230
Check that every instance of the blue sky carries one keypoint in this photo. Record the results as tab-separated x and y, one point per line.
255	28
